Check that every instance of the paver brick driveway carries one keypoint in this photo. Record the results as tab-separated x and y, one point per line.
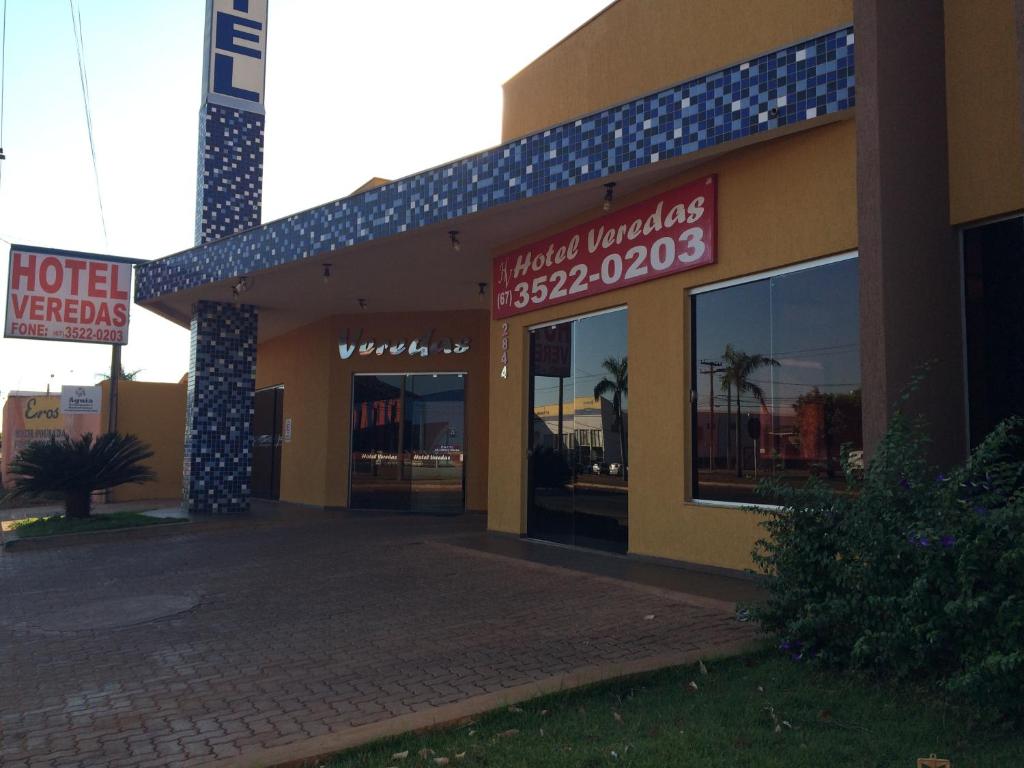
227	639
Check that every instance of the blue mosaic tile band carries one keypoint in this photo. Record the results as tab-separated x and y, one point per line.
219	408
792	85
229	181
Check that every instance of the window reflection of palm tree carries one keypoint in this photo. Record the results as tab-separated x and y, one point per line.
618	386
739	367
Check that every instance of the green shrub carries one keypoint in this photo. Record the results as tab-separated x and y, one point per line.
75	468
908	573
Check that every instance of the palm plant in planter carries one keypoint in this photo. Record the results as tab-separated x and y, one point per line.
78	467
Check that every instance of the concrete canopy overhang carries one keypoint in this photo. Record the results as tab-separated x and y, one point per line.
499	199
417	270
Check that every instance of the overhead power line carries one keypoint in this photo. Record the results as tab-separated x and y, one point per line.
3	87
76	23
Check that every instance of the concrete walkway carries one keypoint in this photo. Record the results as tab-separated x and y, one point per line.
295	633
165	507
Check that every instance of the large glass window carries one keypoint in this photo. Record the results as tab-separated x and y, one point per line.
993	276
579	432
776	374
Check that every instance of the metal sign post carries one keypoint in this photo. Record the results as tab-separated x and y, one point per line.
115	376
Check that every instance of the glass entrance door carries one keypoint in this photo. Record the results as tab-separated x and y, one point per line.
377	481
267	421
434	455
408	446
578	433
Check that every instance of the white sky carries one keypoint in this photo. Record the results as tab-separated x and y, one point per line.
354	90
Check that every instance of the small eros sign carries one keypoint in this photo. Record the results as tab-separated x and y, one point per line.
668	233
67	296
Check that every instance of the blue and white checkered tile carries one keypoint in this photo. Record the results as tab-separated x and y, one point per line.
229	183
219	410
798	83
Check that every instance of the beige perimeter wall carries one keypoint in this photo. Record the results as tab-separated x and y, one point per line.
155	413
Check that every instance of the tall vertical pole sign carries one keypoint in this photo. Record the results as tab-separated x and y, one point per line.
236	45
55	295
217	465
231	119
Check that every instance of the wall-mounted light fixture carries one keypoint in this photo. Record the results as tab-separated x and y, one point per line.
240	287
453	235
362	303
609	195
327	273
483	290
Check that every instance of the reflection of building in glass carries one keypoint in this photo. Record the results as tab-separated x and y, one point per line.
407	442
588	429
811	432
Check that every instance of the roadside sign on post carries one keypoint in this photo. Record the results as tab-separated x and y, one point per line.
67	296
55	295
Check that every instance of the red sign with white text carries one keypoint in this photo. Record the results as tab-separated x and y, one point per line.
66	296
665	234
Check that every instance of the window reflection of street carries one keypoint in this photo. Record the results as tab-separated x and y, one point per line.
777	381
579	464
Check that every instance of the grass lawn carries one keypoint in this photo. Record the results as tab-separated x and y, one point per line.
32	527
761	710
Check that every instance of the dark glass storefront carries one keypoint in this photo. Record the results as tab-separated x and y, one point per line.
994	323
776	376
579	423
408	442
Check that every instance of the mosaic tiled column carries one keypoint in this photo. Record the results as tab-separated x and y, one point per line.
229	183
219	410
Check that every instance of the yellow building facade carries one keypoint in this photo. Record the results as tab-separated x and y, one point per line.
866	162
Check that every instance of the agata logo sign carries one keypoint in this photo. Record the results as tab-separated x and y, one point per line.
421	346
236	49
